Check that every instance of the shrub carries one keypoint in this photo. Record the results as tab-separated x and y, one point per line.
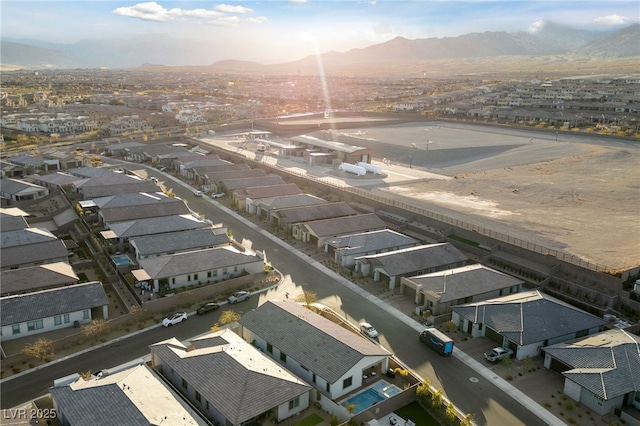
509	377
571	420
547	404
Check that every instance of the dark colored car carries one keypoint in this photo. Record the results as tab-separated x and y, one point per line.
207	307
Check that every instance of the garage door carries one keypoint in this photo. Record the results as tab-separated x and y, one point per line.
493	335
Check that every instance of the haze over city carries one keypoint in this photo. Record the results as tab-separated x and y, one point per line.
280	31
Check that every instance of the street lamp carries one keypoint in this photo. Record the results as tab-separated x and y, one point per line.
410	159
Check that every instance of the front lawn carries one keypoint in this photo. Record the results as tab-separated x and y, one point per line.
416	414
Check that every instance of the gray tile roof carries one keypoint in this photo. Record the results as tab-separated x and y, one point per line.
33	277
315	212
12	223
345	225
15	186
419	258
139	205
202	170
156	225
236	379
56	179
107	189
466	281
289	201
221	175
256	192
180	241
242	183
371	241
195	261
529	317
93	406
319	344
607	363
30	246
49	303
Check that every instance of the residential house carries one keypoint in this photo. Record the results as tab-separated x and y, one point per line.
33	164
235	187
146	246
152	153
346	248
12	219
20	190
31	246
67	160
106	184
601	371
287	218
318	231
54	181
252	194
135	396
331	358
199	172
198	267
138	205
267	206
36	278
11	170
42	311
230	382
390	267
525	322
213	179
120	149
438	291
125	230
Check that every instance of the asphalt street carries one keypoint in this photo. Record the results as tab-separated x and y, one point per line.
465	387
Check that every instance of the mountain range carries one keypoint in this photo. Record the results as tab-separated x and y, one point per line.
553	44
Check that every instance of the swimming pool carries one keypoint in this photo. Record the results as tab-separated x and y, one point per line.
121	260
372	395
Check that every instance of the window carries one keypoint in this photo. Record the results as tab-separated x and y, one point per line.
185	384
195	277
66	318
328	388
347	382
173	280
269	348
313	378
283	357
207	404
209	274
215	273
189	277
15	328
294	403
198	397
34	325
57	320
86	314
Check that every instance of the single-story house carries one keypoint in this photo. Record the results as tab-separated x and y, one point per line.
601	371
34	313
123	231
106	184
154	245
130	396
318	231
233	186
230	381
20	190
438	291
346	248
200	172
36	278
12	219
265	207
331	358
213	179
31	246
286	218
525	322
198	267
138	205
392	266
54	180
252	194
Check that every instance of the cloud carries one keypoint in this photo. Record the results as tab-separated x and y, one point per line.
233	9
536	26
611	20
152	11
297	1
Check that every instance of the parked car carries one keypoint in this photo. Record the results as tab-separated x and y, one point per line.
219	195
368	329
176	318
207	307
197	193
497	354
238	297
154	179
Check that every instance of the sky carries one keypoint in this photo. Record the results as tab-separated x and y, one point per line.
280	30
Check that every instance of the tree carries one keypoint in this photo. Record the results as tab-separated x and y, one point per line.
437	399
450	413
39	349
307	297
95	328
467	420
228	317
423	391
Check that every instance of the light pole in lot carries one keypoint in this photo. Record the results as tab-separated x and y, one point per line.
410	160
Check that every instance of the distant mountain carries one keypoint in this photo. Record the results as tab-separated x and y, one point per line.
394	56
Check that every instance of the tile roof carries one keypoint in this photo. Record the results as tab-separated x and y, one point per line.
345	225
180	241
156	225
319	344
233	376
371	241
418	258
33	277
242	183
315	212
288	201
49	303
257	192
606	363
12	223
466	281
529	317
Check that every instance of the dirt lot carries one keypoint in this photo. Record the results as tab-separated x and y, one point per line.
569	192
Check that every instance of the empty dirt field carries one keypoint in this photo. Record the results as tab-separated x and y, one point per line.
579	194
